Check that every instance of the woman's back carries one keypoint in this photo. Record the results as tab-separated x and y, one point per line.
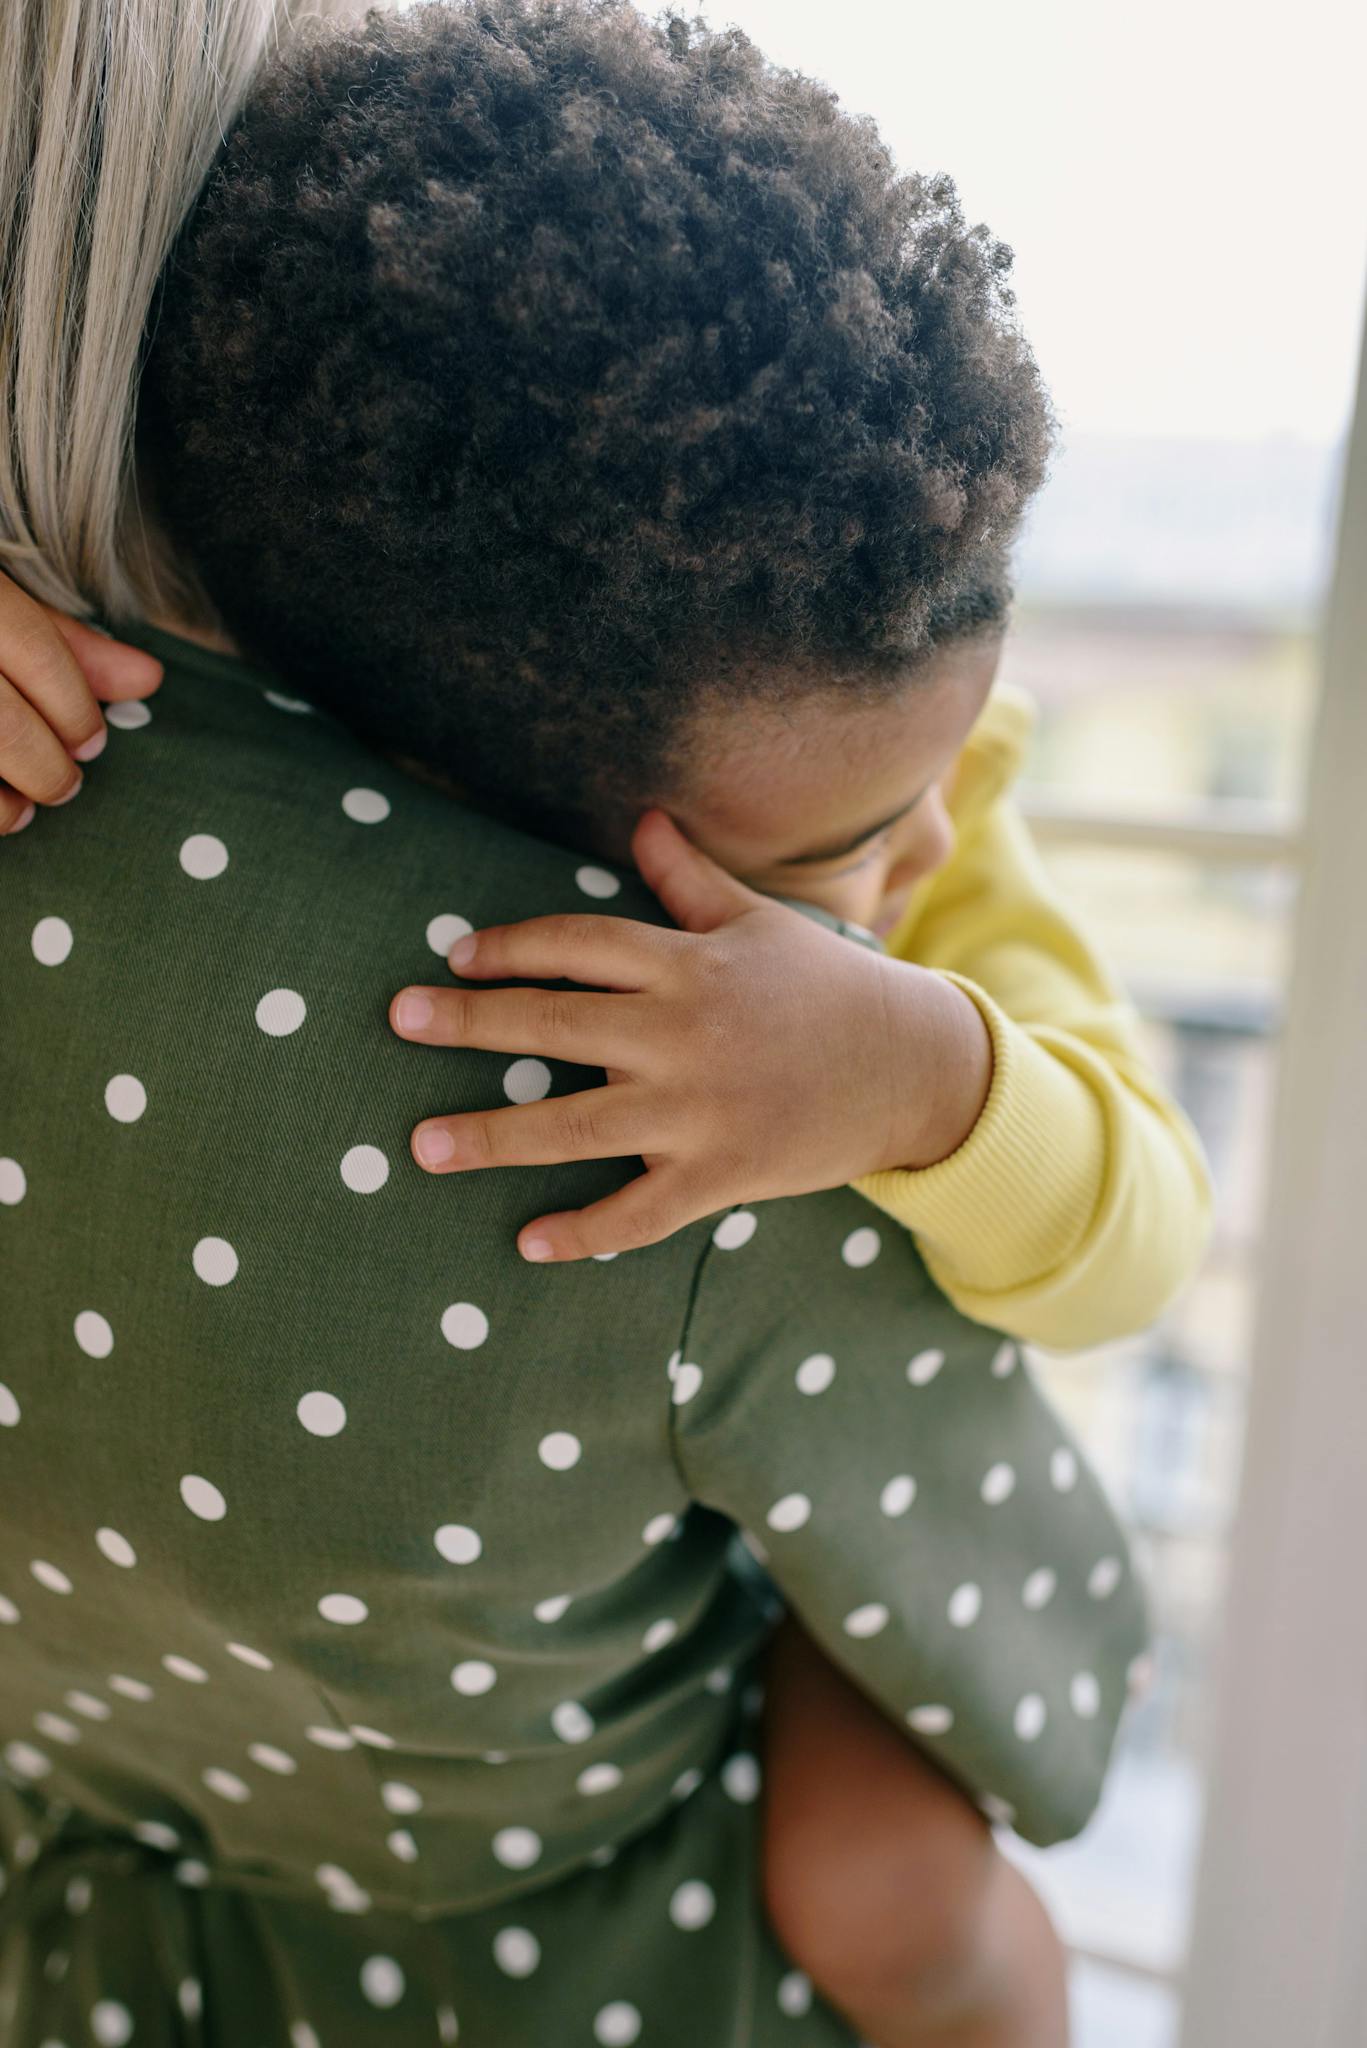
374	1592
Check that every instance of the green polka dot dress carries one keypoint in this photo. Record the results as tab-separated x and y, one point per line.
379	1643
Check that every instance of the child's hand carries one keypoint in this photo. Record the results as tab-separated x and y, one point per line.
754	1054
52	671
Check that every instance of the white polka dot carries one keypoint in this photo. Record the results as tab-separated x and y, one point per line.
93	1334
1030	1717
687	1381
184	1667
400	1798
457	1544
245	1655
965	1605
130	1688
931	1720
862	1246
795	1995
1104	1577
719	1681
343	1608
1000	1812
792	1512
473	1677
280	1012
658	1528
190	1998
735	1230
692	1905
56	1727
443	932
464	1326
86	1703
617	2025
382	1981
560	1450
272	1759
1085	1694
740	1778
26	1761
13	1183
815	1374
686	1784
371	1737
866	1621
116	1548
215	1261
516	1952
898	1495
598	1778
597	882
999	1483
1039	1588
658	1634
129	716
400	1843
9	1407
448	2028
365	1169
924	1367
203	857
366	806
52	941
227	1784
552	1609
1004	1361
300	706
111	2023
1063	1470
321	1414
604	1258
331	1738
571	1721
527	1081
517	1848
301	2033
125	1098
8	1611
50	1575
203	1498
156	1835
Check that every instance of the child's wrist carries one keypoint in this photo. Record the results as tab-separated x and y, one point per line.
946	1066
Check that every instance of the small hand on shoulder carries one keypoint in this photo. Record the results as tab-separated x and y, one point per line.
54	674
752	1054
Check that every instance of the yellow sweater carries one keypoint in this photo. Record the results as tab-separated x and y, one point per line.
1080	1202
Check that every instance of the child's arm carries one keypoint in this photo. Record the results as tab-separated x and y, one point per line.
53	673
1081	1201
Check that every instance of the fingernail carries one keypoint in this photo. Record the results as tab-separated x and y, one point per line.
414	1012
25	817
433	1145
92	748
462	953
537	1248
57	802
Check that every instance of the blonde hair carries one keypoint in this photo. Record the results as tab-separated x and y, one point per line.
113	113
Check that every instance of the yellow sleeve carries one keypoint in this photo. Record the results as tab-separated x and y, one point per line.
1080	1202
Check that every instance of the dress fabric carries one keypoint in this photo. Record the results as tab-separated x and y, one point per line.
378	1652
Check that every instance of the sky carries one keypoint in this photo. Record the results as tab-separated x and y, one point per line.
1184	185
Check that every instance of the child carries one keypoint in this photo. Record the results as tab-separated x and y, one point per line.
983	1085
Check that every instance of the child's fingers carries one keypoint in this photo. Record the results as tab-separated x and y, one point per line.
593	1030
42	669
114	670
598	1123
646	1210
34	758
16	811
605	952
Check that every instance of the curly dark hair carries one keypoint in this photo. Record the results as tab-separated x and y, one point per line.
526	370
